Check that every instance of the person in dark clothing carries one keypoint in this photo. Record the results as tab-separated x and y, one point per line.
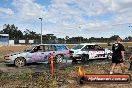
118	55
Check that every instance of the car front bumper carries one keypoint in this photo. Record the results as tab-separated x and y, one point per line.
76	57
9	62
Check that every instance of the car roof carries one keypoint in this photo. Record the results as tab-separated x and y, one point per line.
67	44
52	44
88	44
47	44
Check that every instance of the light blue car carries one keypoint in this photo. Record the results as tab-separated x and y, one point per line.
39	53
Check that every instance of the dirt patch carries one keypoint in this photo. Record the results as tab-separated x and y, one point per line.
25	78
65	78
11	49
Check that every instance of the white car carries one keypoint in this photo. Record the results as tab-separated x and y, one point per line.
88	51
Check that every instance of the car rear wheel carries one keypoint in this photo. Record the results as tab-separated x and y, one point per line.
20	62
59	58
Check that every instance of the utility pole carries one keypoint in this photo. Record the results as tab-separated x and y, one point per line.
41	29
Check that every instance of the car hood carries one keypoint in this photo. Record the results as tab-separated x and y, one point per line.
77	51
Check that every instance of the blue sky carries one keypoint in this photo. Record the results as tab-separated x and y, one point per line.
87	18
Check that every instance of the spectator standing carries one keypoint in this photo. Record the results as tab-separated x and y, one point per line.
118	55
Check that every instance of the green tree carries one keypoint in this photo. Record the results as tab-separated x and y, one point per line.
13	31
114	37
30	34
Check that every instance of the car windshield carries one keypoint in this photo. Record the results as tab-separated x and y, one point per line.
78	47
29	49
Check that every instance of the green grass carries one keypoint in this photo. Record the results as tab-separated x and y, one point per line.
43	79
30	79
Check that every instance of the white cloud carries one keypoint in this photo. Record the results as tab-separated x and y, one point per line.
69	14
6	11
123	4
28	9
61	11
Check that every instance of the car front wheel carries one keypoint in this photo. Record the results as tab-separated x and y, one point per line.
74	60
85	58
109	56
20	62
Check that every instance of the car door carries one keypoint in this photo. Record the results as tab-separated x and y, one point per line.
100	52
48	50
62	50
90	51
38	53
85	50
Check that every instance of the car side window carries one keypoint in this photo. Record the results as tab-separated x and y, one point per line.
60	47
48	48
97	47
38	49
86	48
91	47
53	48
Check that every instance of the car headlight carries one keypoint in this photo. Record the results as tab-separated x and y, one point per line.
76	55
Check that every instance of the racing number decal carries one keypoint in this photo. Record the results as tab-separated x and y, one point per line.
96	52
100	52
92	52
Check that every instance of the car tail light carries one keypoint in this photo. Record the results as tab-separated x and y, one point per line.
7	58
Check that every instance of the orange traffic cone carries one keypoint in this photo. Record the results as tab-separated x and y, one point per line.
52	65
